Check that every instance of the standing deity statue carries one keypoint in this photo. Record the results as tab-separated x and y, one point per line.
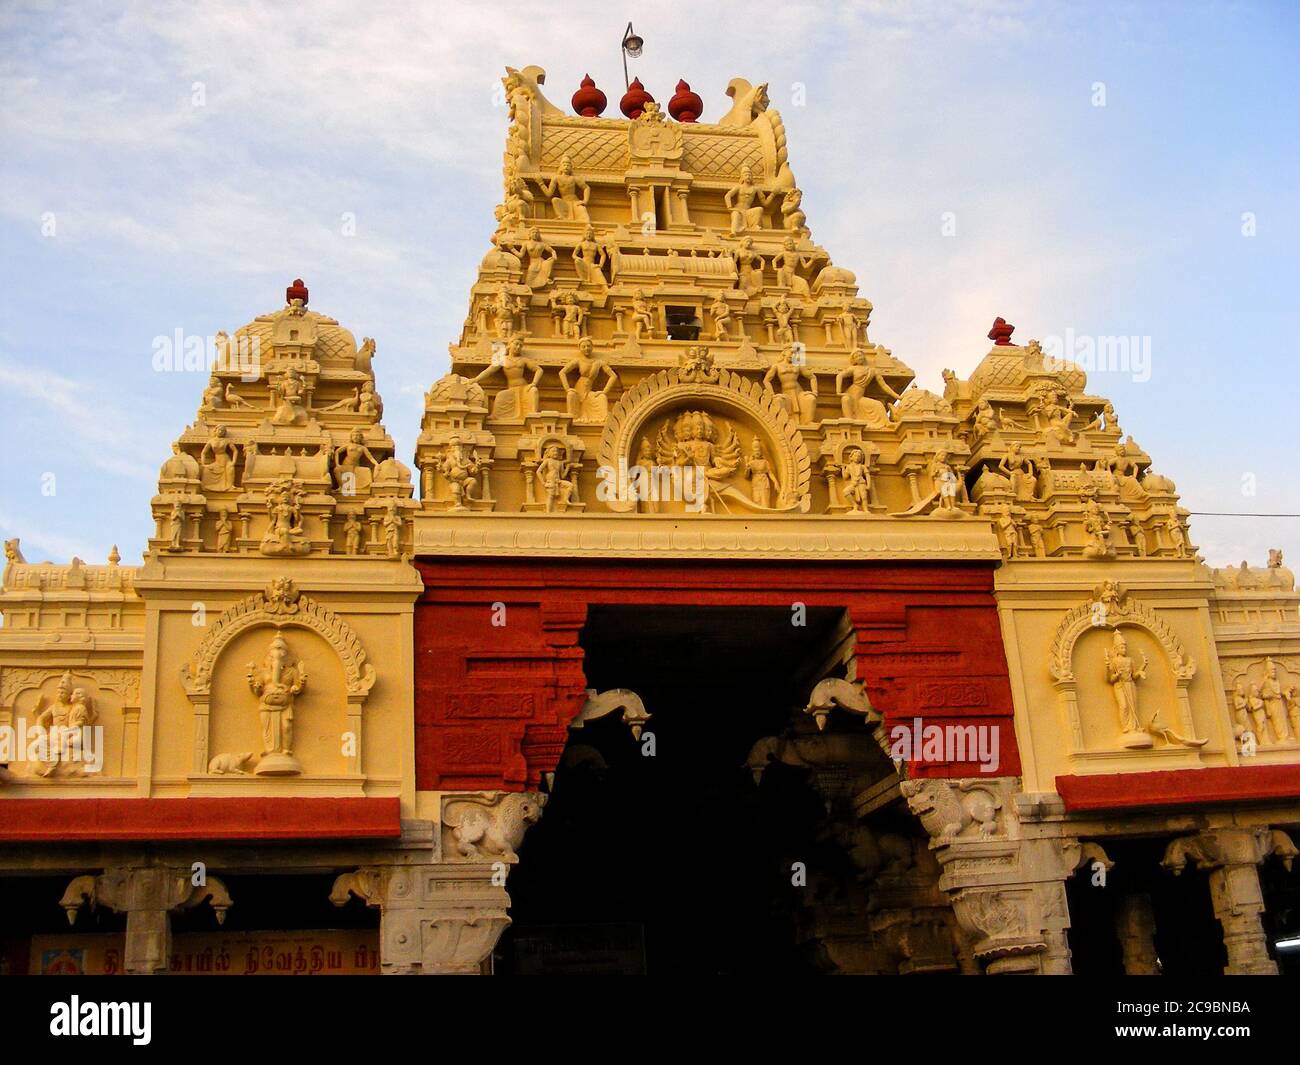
759	471
856	404
540	258
217	461
393	523
177	527
1241	711
1293	709
1036	540
1122	674
747	203
852	327
784	315
788	373
504	308
569	315
555	473
1274	702
589	259
225	530
584	402
277	684
352	535
518	396
786	263
749	268
643	317
1177	536
568	194
1258	712
1009	533
946	483
1137	535
855	477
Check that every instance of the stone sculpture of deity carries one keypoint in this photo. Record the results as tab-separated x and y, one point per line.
277	684
856	404
519	396
568	194
585	402
788	374
747	203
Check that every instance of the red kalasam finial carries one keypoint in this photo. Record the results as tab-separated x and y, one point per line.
296	291
1001	332
589	101
685	106
635	99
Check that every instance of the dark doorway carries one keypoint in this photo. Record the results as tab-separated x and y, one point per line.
675	861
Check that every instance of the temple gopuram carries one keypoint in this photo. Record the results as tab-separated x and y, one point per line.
697	637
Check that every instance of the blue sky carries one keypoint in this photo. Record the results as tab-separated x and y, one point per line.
173	166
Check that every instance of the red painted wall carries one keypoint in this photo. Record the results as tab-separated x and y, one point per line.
246	818
492	703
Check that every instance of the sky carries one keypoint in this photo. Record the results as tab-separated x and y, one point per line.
1087	171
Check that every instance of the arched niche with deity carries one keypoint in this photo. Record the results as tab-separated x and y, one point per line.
707	439
278	686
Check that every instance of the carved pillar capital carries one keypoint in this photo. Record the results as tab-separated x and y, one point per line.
1008	892
1231	856
147	895
434	919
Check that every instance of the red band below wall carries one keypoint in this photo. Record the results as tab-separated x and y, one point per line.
1180	787
252	818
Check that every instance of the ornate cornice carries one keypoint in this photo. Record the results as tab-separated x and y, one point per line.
703	536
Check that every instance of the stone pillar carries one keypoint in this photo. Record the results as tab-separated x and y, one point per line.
1007	891
147	895
1136	927
1231	857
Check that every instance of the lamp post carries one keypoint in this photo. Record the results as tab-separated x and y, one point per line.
632	45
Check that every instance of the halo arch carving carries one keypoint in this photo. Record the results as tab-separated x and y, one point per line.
660	392
280	606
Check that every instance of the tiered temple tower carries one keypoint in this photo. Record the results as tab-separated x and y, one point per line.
670	474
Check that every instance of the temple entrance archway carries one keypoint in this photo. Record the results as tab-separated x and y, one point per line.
664	854
737	831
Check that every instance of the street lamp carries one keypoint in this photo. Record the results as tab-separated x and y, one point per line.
632	45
